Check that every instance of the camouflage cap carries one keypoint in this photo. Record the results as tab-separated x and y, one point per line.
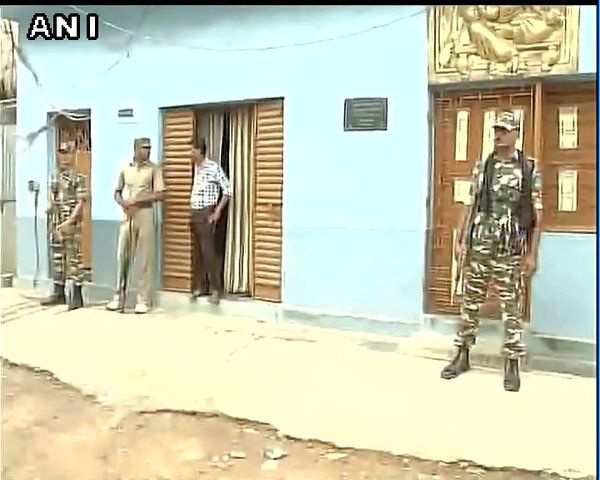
507	121
142	142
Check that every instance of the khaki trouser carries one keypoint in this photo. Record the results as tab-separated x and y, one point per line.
137	234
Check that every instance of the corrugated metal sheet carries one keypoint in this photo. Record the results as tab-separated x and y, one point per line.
8	151
178	133
7	189
8	65
268	202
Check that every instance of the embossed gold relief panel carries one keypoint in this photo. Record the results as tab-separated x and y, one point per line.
482	42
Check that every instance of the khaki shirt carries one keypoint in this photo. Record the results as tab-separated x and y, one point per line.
139	179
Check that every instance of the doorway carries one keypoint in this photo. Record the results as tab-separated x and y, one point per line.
229	136
77	129
558	125
246	139
462	136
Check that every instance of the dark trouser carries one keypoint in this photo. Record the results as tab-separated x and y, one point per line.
206	255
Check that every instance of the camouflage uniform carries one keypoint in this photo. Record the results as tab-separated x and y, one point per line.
67	190
495	250
504	205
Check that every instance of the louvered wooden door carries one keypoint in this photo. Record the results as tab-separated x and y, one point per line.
450	129
268	201
178	133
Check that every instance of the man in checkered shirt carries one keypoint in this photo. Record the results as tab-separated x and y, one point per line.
208	184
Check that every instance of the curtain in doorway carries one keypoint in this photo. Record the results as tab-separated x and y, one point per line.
238	248
210	128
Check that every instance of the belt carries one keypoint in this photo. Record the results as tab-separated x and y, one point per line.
144	205
202	208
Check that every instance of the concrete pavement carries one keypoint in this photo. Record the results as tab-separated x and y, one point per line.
350	389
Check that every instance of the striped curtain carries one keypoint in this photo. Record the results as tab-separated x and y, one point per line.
210	127
238	249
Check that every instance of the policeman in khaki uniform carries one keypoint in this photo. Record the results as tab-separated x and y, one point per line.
139	186
68	193
499	236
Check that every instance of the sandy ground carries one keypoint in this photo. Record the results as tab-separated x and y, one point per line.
51	431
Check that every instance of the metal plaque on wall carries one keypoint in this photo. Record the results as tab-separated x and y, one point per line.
366	114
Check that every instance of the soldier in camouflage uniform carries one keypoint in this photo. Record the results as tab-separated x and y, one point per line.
67	196
499	237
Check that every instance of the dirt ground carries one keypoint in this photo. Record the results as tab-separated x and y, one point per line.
52	432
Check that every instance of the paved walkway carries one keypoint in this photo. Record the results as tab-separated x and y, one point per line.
349	389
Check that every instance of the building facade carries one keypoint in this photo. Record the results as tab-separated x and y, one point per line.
8	120
339	221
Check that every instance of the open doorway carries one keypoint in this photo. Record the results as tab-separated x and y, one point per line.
229	136
246	139
76	129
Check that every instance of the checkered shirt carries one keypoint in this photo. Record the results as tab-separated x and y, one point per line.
209	181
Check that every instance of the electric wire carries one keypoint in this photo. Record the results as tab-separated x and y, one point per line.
256	49
31	137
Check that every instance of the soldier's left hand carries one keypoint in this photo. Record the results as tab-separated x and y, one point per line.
530	265
63	227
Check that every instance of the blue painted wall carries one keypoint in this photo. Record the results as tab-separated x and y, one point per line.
564	288
354	203
588	38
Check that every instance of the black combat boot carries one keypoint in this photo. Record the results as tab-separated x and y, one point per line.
76	299
459	364
57	297
512	380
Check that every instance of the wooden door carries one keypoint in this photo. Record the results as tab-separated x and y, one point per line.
581	158
83	165
178	134
78	133
463	119
268	201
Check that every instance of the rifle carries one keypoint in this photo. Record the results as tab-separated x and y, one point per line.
52	221
458	273
34	187
126	264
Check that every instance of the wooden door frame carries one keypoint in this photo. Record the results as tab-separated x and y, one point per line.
52	145
533	85
537	84
556	95
195	108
